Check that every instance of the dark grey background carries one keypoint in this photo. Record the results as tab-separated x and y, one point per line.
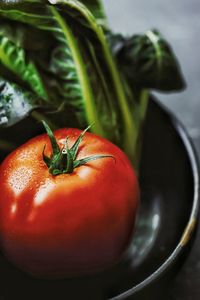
179	22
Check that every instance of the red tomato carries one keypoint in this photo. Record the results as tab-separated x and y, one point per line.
53	226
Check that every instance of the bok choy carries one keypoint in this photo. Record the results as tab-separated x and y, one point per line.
60	61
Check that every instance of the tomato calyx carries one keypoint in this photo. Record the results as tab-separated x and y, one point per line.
64	160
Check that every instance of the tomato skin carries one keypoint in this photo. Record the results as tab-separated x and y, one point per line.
55	226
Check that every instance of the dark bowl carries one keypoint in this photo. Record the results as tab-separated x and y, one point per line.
169	180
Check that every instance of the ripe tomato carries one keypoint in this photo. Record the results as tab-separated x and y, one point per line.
53	226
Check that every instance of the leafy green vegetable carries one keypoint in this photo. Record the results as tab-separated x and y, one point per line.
76	85
56	63
148	61
14	59
103	55
61	56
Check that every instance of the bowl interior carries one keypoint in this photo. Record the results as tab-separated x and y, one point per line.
167	189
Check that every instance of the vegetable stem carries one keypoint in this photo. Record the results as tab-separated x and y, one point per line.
144	99
143	105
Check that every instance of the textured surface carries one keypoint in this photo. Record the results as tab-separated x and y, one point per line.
179	23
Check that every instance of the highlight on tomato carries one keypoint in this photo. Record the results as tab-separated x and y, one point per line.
68	204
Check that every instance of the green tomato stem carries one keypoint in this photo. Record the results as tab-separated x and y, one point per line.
64	161
143	105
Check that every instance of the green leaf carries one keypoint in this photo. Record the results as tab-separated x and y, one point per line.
15	103
87	26
78	69
25	36
66	72
19	10
14	59
96	8
32	12
50	52
148	61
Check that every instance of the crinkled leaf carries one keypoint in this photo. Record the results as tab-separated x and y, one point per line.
14	59
148	61
38	26
61	75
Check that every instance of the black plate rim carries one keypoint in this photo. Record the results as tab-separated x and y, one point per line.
192	222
